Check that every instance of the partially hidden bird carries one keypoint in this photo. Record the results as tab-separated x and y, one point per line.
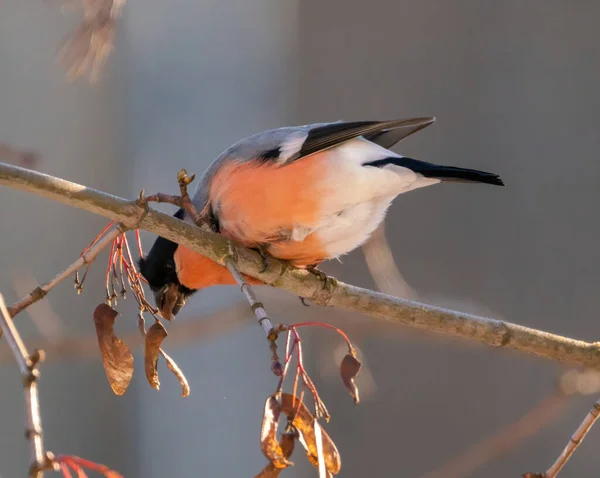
303	194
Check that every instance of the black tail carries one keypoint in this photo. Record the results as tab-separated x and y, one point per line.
443	173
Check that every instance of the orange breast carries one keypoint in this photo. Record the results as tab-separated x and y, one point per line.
196	271
261	203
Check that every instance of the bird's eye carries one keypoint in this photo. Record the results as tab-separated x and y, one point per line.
169	265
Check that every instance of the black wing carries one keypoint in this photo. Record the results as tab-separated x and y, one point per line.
384	133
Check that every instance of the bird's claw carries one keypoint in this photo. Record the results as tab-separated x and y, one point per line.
266	258
328	282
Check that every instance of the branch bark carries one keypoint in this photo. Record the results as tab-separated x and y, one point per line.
40	460
137	214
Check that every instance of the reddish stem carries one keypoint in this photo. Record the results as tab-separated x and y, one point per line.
139	243
64	469
320	408
329	326
98	237
77	462
109	268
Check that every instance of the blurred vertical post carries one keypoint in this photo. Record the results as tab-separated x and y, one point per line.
74	128
198	77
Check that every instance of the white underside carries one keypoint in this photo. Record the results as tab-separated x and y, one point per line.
358	197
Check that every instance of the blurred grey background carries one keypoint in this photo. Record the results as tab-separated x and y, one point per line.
514	87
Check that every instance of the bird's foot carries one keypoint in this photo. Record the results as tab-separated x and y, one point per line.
328	281
265	256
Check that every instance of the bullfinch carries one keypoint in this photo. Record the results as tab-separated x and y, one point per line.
303	194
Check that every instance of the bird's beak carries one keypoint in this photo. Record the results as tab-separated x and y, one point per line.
169	300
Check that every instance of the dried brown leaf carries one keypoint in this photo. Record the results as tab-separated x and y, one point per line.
116	356
349	369
154	338
268	434
286	442
171	302
303	421
185	386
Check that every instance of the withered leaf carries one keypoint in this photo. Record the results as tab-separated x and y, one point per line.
287	442
171	302
349	369
268	434
116	356
303	421
154	338
185	386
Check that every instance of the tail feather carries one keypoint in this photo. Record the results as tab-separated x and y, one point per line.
443	173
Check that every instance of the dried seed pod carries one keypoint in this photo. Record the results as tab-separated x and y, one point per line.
154	338
303	421
349	369
116	356
268	434
173	367
287	442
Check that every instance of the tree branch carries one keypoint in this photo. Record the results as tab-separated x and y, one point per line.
137	214
40	460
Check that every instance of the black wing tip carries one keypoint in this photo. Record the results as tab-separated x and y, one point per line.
490	178
498	181
471	177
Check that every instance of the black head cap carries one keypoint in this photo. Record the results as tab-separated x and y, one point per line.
158	268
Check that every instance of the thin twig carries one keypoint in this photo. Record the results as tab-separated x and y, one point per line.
257	307
40	460
39	292
186	203
574	442
137	214
48	322
260	313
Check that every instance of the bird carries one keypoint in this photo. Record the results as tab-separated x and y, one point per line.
302	194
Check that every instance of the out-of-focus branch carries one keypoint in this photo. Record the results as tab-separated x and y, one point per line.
137	214
187	332
84	52
381	264
505	440
40	460
510	437
383	268
27	159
